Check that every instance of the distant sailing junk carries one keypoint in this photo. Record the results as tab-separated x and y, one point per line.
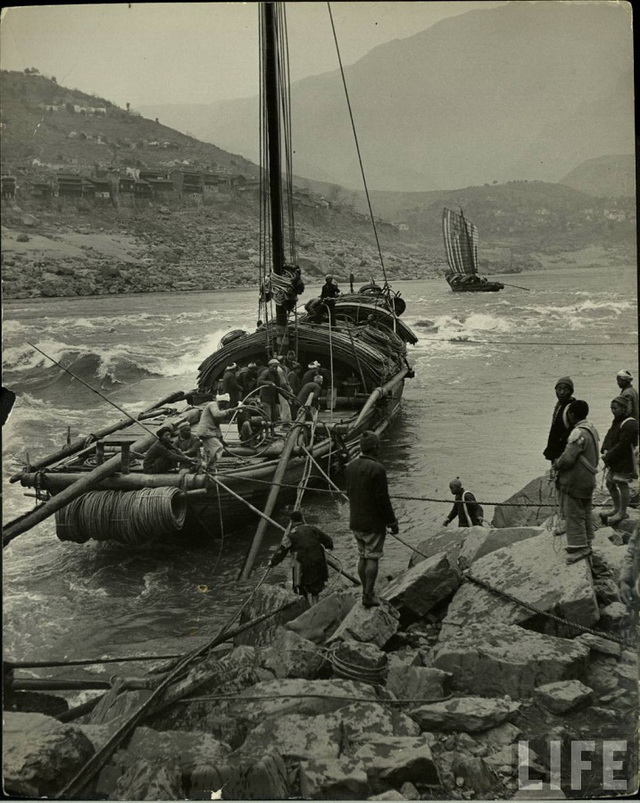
461	247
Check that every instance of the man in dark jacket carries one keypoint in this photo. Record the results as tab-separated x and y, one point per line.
465	503
162	456
307	543
560	427
619	456
576	469
370	512
231	385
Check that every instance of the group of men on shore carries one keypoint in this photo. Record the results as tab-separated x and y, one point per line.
574	450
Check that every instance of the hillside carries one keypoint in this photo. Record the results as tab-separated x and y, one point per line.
65	127
605	177
521	91
113	241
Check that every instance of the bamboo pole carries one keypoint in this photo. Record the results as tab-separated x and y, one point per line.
87	483
78	445
271	499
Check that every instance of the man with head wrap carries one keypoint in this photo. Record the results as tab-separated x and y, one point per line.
560	428
620	456
624	379
465	507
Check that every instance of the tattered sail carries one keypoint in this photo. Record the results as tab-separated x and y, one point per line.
460	242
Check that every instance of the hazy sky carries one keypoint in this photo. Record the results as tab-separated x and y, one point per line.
196	52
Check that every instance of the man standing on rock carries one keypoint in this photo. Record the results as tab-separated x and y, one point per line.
624	379
370	512
576	469
558	434
619	454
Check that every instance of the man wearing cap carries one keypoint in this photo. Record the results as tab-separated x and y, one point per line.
620	456
208	428
294	378
309	395
560	427
465	503
624	379
162	456
370	512
576	469
231	385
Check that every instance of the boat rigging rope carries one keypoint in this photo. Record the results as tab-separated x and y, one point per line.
355	136
465	339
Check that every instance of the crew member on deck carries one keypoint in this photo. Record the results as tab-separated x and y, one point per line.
163	456
187	441
231	385
270	383
329	289
208	429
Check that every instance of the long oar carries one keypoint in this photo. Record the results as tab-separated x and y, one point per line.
516	285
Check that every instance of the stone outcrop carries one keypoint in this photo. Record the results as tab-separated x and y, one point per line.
333	779
296	737
538	498
563	696
534	571
417	682
447	539
505	659
289	696
416	591
291	656
483	540
373	625
265	600
394	760
360	722
320	622
41	755
149	781
469	714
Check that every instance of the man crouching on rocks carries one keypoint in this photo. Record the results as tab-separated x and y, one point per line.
370	512
576	469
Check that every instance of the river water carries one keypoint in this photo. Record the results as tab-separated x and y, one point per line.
480	410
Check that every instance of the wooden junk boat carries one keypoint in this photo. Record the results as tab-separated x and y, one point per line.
98	489
461	248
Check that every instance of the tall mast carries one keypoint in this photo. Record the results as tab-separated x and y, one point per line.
272	88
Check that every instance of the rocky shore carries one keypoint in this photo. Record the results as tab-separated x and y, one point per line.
80	252
448	690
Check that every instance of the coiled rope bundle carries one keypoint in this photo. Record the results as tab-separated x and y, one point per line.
128	517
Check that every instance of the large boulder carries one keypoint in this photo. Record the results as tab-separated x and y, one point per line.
277	698
145	780
263	778
291	656
469	714
394	760
357	660
41	755
320	622
533	571
506	659
415	592
447	539
417	682
373	625
295	737
483	540
266	600
563	696
359	722
189	752
333	779
528	507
